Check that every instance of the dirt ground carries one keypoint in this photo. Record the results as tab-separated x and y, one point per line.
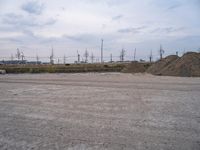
111	111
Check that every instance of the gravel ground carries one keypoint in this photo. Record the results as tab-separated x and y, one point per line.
92	111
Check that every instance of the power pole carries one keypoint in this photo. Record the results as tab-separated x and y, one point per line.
22	55
161	51
64	59
135	54
150	57
122	54
86	56
101	50
78	55
111	58
120	57
18	55
37	59
92	58
52	57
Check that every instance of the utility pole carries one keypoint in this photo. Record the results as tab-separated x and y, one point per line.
135	54
37	59
78	55
92	58
150	57
22	55
86	56
64	59
52	57
122	54
101	50
161	51
111	60
18	54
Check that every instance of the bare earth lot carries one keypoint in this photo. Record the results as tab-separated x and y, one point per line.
99	111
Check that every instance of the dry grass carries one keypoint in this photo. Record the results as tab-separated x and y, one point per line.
68	68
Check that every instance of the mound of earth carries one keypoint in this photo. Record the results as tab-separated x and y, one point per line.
186	66
157	68
135	67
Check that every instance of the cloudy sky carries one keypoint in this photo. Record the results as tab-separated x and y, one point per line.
34	26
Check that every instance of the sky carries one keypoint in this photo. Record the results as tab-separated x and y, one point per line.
68	26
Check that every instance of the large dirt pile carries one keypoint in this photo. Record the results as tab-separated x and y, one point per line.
135	67
186	66
157	68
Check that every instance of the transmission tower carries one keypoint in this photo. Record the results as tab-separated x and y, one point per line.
92	58
37	59
135	54
161	51
86	55
78	55
102	51
18	55
122	55
52	57
150	57
64	59
22	56
111	59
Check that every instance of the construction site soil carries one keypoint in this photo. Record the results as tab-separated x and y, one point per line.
186	66
92	111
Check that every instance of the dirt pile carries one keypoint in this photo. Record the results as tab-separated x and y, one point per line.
186	66
157	68
136	67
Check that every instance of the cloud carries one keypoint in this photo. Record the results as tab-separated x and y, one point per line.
28	33
11	18
128	24
83	38
117	2
73	38
118	17
33	7
174	6
49	21
167	30
131	30
171	29
21	21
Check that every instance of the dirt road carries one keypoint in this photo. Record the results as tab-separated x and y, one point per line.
109	111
